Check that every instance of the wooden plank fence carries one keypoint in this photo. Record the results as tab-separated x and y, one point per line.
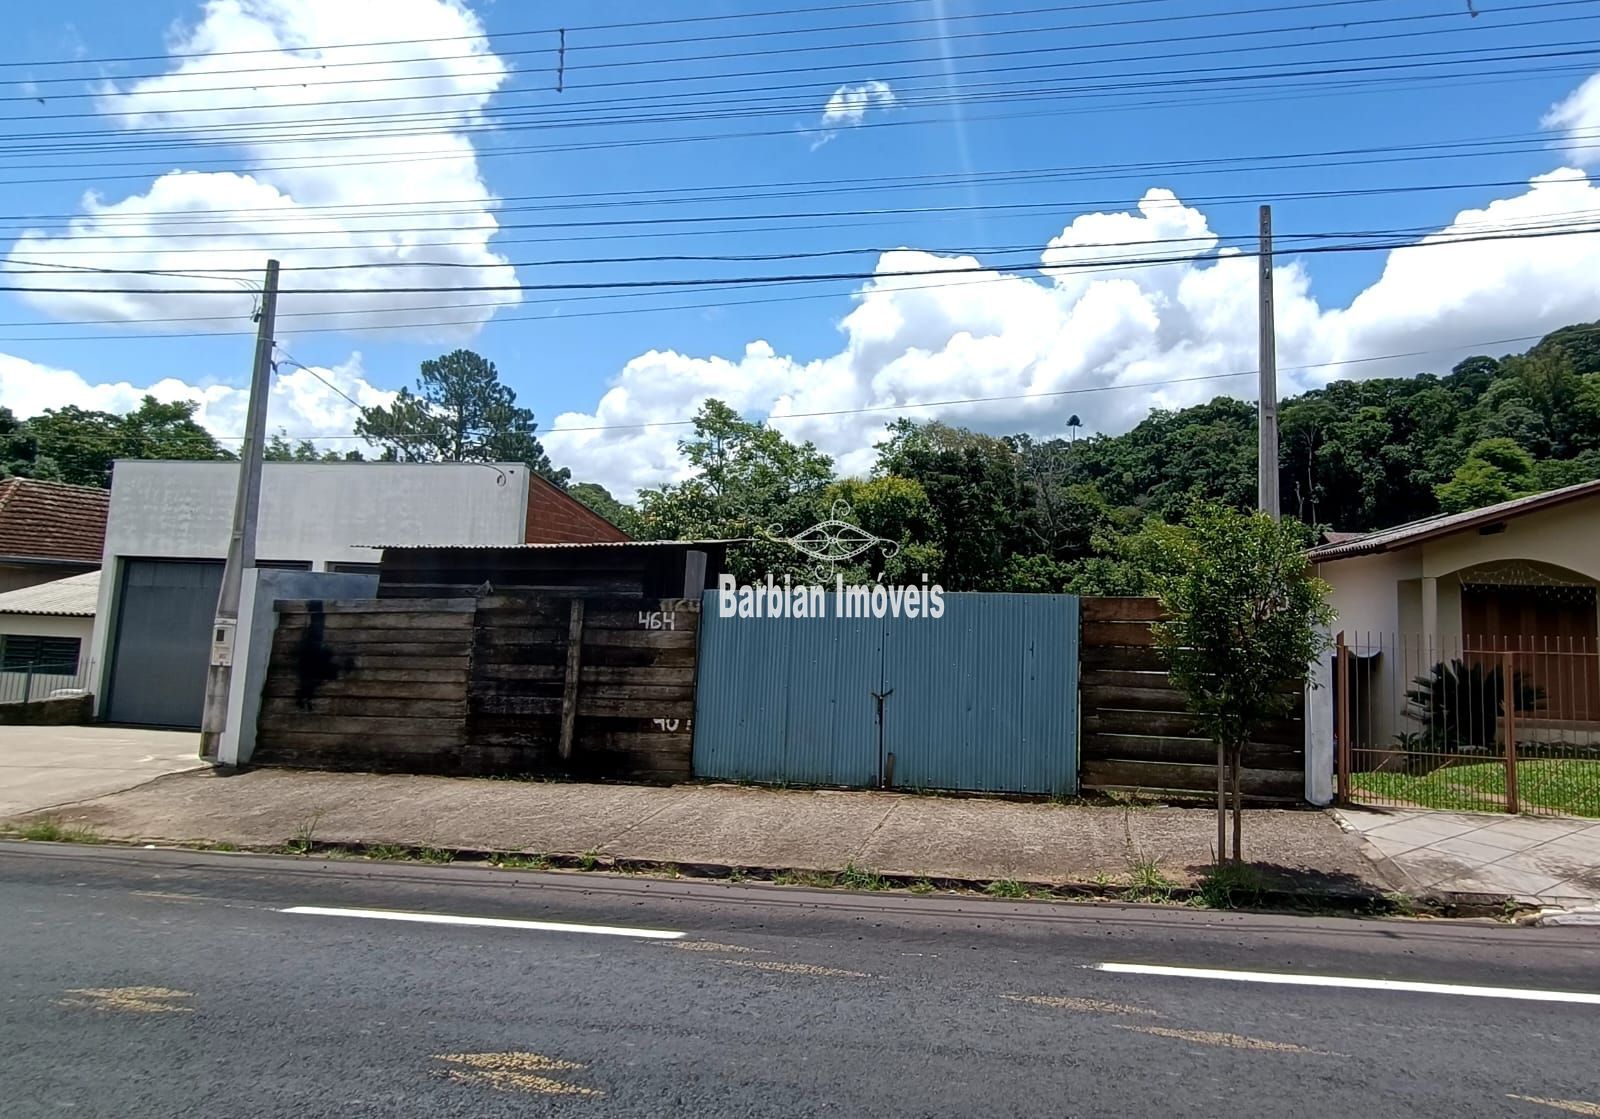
598	687
1136	729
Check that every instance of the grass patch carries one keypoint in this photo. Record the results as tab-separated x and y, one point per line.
589	859
853	877
1006	888
510	860
435	855
1147	881
813	878
922	886
52	830
1566	785
1229	886
305	836
388	852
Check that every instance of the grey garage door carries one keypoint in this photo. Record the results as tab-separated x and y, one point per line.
163	641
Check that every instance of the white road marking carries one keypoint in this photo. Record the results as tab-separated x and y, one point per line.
483	922
1291	979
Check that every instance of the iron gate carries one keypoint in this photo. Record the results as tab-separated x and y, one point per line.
984	698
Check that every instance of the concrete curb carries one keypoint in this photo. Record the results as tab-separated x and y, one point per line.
1554	917
1270	899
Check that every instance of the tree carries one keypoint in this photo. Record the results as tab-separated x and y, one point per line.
598	498
893	509
461	412
19	451
82	444
279	449
977	492
748	481
1495	470
1245	618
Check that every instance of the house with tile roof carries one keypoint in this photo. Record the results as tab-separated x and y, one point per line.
49	530
1511	587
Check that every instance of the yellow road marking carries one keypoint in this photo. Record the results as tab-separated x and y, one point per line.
1225	1041
798	969
1573	1107
1088	1006
134	1000
515	1072
707	946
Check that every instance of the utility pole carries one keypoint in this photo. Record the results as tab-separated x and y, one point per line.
242	543
1267	425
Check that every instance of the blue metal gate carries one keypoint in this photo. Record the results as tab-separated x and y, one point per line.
984	698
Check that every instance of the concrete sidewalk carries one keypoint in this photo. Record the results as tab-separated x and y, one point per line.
727	826
45	766
1551	861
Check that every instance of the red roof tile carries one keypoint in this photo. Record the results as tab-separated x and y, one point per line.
52	520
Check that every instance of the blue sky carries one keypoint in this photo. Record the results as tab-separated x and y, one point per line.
680	115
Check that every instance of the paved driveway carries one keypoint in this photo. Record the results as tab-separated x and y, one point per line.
1539	859
41	767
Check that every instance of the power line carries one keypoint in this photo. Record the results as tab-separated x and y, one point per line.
37	267
504	118
857	65
1343	158
239	131
482	36
643	142
786	50
590	285
963	278
877	408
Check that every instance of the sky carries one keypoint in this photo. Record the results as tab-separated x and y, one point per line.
996	213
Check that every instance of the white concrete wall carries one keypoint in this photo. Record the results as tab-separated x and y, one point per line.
253	643
12	684
1567	536
319	512
316	512
1365	591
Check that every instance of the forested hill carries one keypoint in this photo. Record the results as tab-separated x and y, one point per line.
1360	455
1018	513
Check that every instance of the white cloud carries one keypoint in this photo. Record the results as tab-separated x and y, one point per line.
1577	117
344	211
912	340
299	402
848	107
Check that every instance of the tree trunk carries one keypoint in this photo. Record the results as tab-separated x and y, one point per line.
1222	805
1238	806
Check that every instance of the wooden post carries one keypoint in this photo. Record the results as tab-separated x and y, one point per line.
569	690
1509	689
1341	719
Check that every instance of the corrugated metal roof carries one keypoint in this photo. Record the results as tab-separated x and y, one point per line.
1431	528
554	547
73	597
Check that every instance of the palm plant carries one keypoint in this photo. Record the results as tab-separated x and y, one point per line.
1459	706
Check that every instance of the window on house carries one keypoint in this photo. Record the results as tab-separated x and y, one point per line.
285	565
54	656
353	568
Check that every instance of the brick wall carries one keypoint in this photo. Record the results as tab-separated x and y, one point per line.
556	518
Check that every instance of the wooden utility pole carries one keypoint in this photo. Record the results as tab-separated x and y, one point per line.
1267	435
242	542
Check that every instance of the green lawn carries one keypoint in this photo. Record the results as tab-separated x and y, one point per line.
1553	784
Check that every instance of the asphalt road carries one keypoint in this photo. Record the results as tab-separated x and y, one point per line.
162	983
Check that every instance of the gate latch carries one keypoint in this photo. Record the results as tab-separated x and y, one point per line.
878	698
